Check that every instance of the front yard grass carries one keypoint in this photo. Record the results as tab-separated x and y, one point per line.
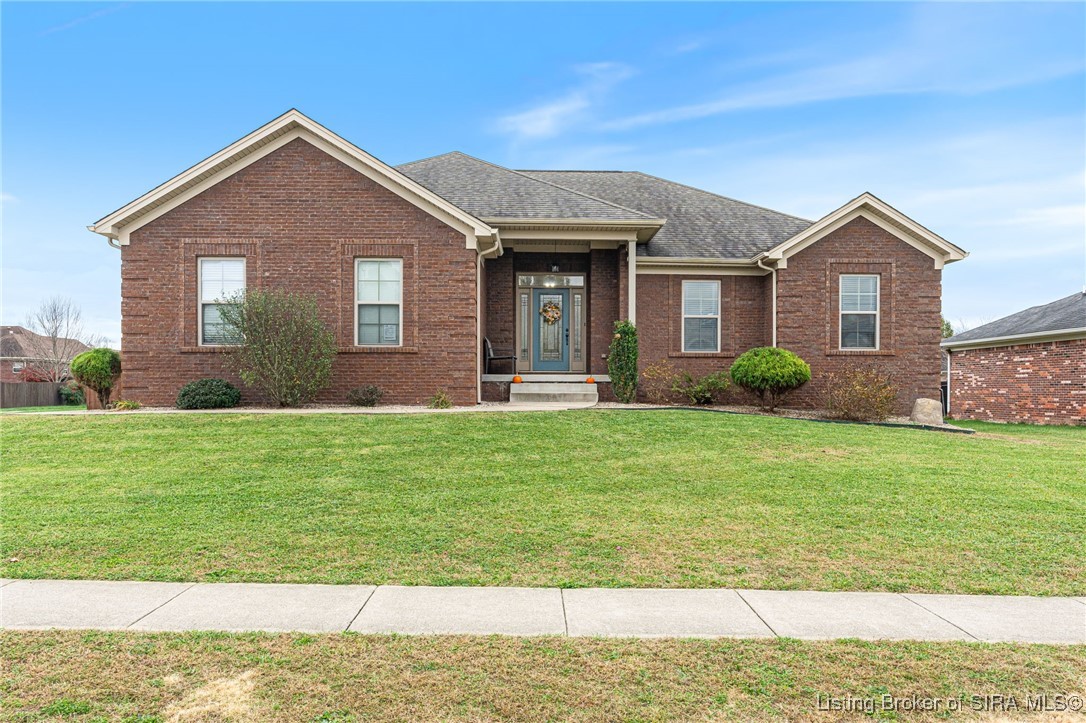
219	676
585	498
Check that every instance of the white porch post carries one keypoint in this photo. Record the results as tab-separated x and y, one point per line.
631	283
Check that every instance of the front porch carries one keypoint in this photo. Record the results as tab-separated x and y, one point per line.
553	313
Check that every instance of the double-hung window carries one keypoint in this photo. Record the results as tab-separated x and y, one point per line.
701	316
221	281
379	297
859	311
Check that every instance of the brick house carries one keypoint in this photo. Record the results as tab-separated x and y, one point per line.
29	357
1026	367
419	266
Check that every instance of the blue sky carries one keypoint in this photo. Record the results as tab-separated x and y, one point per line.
970	118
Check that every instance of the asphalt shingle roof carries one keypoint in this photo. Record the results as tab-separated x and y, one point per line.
1067	313
489	191
699	223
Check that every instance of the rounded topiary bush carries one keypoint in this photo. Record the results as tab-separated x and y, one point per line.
97	370
208	394
770	372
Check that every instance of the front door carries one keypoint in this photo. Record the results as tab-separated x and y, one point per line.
550	332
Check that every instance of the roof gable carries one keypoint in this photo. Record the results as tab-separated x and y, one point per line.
878	212
263	141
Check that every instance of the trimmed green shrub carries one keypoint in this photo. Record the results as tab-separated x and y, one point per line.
700	390
98	370
208	394
622	362
439	401
367	396
863	394
770	373
72	395
284	348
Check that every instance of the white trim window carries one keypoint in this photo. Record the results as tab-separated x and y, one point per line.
221	280
701	316
859	311
379	302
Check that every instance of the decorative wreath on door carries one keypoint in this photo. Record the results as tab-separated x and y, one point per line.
551	312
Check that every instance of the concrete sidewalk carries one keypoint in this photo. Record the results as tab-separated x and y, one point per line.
38	604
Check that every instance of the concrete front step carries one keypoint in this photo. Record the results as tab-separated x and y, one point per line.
553	392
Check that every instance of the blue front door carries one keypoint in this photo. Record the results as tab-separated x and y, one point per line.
550	331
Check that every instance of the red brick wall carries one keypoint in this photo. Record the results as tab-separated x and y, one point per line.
1035	383
660	323
300	218
807	311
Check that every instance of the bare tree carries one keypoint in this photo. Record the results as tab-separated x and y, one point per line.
58	324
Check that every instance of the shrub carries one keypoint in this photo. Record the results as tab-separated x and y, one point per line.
439	401
622	362
72	395
284	349
98	370
770	373
126	405
864	394
208	394
367	396
700	390
658	379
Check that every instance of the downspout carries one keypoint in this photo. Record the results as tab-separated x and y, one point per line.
496	249
773	300
949	364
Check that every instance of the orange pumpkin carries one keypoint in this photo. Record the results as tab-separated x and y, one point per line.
517	379
590	380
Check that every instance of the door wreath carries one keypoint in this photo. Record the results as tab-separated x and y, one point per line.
551	312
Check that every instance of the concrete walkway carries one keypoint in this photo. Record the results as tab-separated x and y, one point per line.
38	604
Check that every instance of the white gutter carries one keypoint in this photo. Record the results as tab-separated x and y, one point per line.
773	300
496	249
631	285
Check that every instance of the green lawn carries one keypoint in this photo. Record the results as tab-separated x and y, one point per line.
58	408
214	676
587	498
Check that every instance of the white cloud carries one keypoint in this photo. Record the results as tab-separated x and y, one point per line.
6	197
944	50
551	117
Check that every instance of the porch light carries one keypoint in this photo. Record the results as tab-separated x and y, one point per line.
554	267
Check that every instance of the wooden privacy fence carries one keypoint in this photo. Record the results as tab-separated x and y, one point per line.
29	394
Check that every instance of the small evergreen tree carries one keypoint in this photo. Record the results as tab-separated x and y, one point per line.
770	372
622	362
947	328
98	370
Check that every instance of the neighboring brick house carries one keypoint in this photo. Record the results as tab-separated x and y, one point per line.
418	265
1026	367
29	357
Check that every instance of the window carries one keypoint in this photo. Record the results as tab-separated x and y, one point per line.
379	296
17	367
701	316
859	311
221	281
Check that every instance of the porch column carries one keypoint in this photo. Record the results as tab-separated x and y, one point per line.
631	281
